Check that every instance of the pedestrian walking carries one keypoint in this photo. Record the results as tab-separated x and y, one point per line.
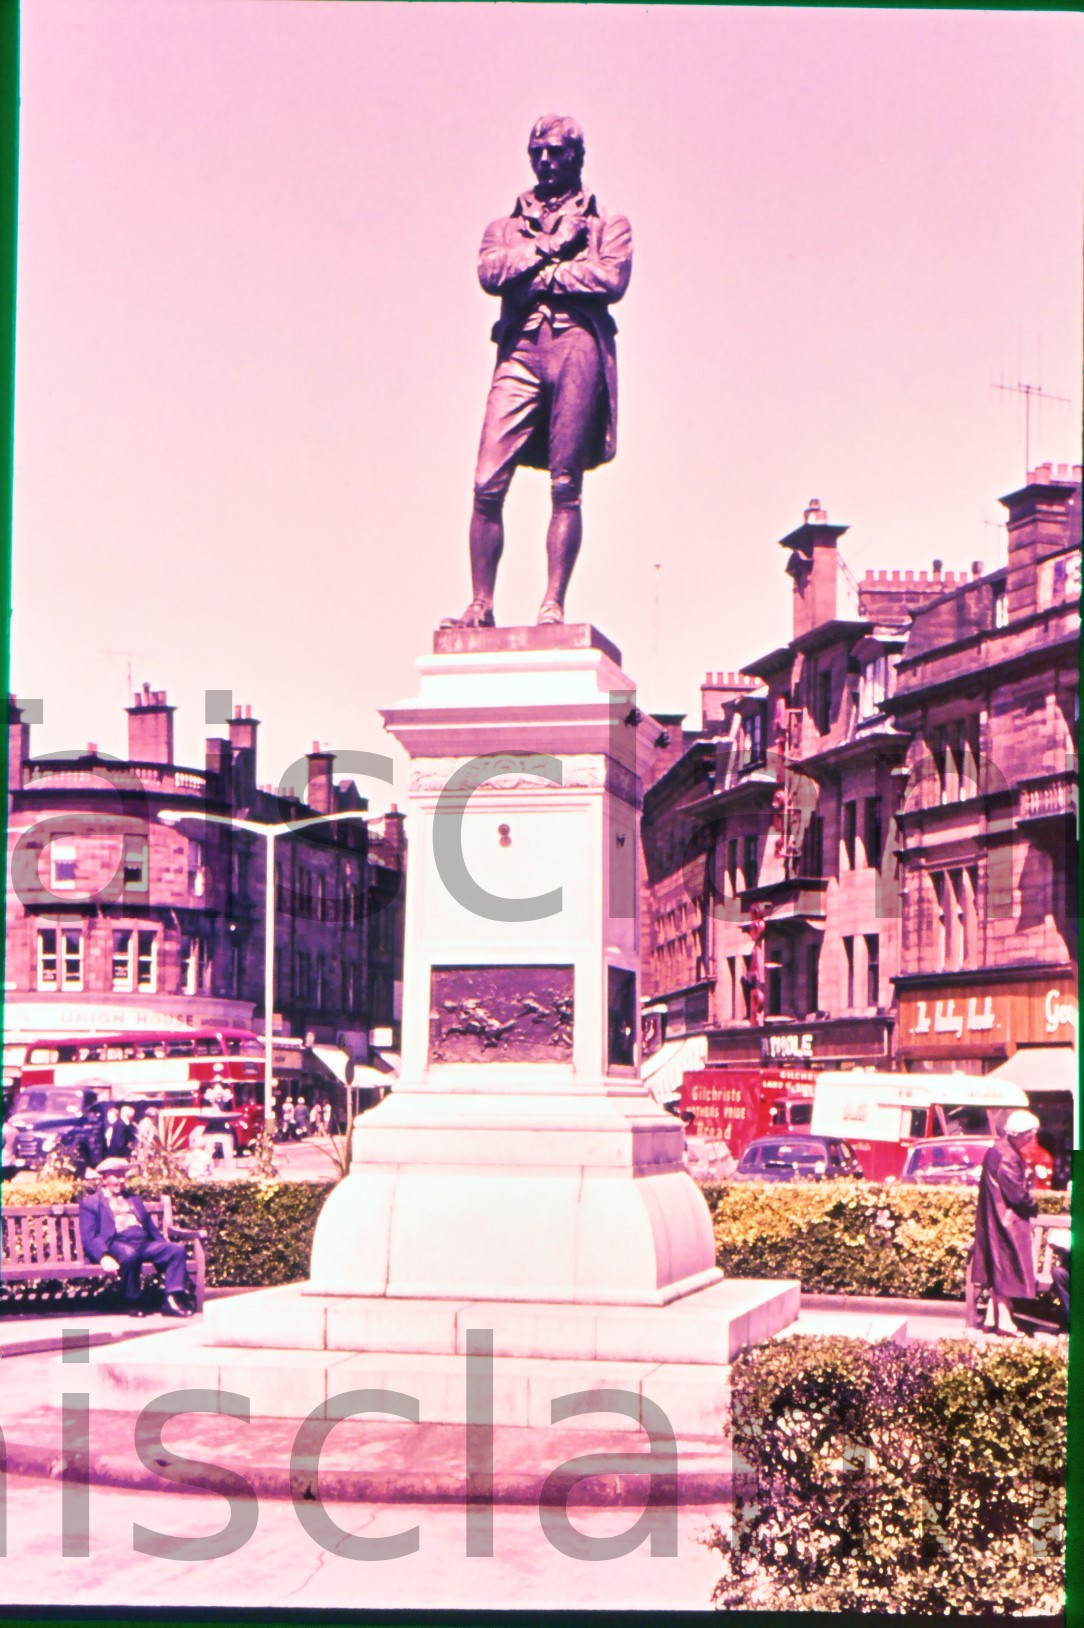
288	1126
1004	1262
148	1136
301	1117
120	1132
199	1160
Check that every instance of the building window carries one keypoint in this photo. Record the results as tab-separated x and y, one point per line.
47	962
237	966
850	828
941	900
197	871
321	900
136	868
873	969
350	985
874	833
733	985
848	967
971	916
874	685
823	702
72	970
321	979
812	979
751	861
753	738
304	892
61	863
147	962
280	888
774	992
813	847
732	865
1001	608
303	978
189	965
122	960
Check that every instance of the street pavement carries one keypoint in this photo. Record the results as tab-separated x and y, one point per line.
280	1564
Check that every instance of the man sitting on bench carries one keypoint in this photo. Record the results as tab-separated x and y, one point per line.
119	1234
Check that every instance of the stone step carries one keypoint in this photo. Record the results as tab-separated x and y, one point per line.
710	1326
174	1371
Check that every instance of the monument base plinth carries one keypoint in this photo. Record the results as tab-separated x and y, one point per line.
292	1354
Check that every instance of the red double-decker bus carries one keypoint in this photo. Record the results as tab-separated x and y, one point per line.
199	1076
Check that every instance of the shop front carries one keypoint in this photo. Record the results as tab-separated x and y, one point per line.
974	1021
861	1042
1020	1027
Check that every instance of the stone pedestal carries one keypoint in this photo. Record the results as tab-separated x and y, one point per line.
519	1157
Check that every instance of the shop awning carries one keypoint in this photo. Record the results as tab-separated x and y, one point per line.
334	1059
662	1073
1037	1069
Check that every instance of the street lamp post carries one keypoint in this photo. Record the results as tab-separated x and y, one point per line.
270	835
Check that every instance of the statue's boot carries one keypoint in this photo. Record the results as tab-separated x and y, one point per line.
477	614
549	613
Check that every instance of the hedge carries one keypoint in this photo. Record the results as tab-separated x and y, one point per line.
927	1478
850	1237
259	1233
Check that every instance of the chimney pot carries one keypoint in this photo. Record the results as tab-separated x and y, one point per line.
937	564
92	748
976	568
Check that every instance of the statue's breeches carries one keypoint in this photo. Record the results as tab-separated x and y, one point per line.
544	409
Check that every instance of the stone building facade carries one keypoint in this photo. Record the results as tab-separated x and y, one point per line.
783	908
988	694
127	908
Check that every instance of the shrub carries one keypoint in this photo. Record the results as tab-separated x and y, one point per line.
850	1237
926	1478
259	1233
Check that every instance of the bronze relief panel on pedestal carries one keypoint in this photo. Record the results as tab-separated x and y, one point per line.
501	1014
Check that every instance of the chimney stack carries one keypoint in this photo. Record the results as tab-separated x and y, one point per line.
1044	520
321	792
243	727
150	727
718	691
18	744
814	566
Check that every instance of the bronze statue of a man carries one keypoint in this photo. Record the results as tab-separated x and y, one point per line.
558	262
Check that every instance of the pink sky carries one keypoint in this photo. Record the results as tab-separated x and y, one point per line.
252	352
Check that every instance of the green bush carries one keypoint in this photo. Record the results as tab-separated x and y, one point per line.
850	1237
259	1233
926	1478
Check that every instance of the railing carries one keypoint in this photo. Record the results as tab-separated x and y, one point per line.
1048	796
43	776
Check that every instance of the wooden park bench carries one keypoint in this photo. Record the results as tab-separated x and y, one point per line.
42	1244
1042	1254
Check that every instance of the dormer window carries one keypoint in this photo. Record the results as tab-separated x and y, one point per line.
753	737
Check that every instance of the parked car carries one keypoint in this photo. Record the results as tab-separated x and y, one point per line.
797	1158
707	1160
46	1117
942	1161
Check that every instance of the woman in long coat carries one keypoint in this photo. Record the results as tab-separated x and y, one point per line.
1003	1256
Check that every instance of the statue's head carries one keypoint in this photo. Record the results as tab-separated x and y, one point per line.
556	153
